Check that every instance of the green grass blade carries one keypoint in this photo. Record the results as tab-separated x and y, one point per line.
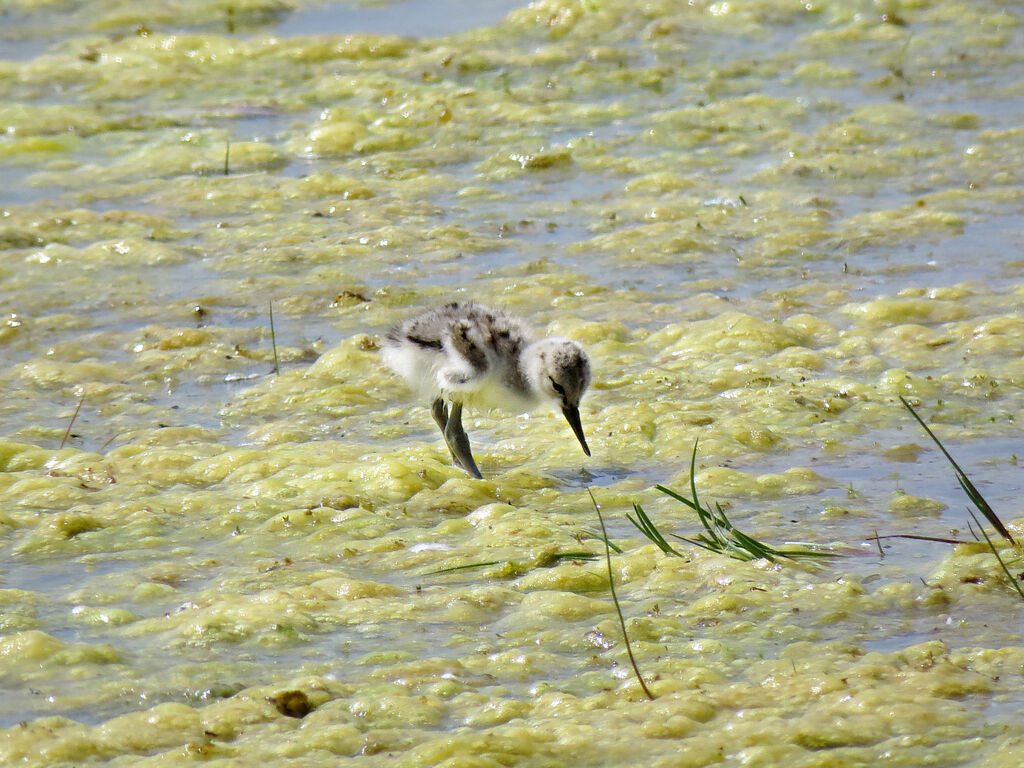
557	557
703	543
720	535
595	535
979	501
706	516
693	492
1002	565
677	497
647	527
615	599
466	567
965	482
811	553
753	546
877	539
273	337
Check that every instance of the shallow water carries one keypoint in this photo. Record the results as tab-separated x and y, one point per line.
763	222
406	17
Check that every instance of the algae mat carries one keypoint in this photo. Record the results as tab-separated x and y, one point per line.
766	220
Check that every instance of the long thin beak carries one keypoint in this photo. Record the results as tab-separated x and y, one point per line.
572	415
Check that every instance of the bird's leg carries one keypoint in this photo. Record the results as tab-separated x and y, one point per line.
439	410
440	413
458	442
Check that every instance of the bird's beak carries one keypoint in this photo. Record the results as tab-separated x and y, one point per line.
572	415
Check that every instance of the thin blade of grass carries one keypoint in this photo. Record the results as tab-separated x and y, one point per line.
595	535
551	560
722	519
965	482
615	599
67	432
706	516
1002	565
647	527
754	546
463	567
581	555
677	497
700	542
112	439
720	527
938	539
979	501
792	554
273	338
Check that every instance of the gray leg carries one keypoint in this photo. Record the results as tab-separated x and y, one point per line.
440	413
439	410
454	435
458	442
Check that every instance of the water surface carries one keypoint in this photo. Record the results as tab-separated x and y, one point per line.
765	221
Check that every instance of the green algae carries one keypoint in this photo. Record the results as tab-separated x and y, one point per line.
765	221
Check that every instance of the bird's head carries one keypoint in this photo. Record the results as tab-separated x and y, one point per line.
558	369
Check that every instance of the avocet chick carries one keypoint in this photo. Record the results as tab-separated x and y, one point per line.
464	353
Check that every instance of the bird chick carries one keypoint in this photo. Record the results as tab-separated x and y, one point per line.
466	353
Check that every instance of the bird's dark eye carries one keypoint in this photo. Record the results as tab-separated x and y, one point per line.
556	386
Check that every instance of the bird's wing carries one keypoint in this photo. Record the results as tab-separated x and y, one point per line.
466	347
